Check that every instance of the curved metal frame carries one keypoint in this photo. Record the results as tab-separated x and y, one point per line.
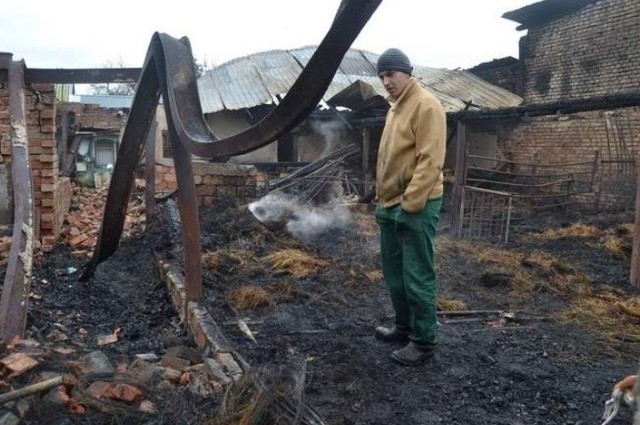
168	70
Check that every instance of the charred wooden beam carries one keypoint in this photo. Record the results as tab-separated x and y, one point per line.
457	199
168	70
308	183
15	291
611	101
337	155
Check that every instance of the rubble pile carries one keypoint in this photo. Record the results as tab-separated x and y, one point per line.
82	223
31	384
5	246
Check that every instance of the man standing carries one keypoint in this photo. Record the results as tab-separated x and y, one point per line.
409	186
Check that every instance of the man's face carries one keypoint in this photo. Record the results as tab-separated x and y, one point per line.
394	82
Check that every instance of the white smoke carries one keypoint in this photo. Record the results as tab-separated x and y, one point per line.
302	221
333	133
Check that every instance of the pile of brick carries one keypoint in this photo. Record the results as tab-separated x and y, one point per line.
82	222
94	383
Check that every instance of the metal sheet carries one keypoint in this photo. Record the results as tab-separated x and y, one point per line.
278	70
356	65
209	94
246	81
239	84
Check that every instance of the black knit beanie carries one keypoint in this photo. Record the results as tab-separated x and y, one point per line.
394	60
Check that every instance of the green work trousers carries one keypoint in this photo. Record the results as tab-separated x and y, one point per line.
407	251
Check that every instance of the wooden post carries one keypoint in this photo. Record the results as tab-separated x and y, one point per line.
595	180
569	190
634	277
534	183
457	199
287	151
366	146
506	232
63	142
17	278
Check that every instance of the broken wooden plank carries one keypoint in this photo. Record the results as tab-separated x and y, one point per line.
30	390
16	288
321	162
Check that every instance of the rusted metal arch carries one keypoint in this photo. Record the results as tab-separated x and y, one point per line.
168	69
17	279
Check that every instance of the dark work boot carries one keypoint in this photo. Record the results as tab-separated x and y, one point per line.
412	354
391	334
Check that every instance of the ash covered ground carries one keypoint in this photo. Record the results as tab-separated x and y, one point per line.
554	364
311	301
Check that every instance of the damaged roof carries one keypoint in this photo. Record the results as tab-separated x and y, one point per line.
545	11
264	78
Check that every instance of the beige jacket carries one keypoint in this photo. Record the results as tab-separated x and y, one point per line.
411	152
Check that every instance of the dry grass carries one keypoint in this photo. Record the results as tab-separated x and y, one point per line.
573	285
250	296
522	281
613	320
445	304
445	246
374	275
577	230
225	260
630	307
266	397
494	256
527	273
296	262
608	312
618	247
367	225
626	228
540	260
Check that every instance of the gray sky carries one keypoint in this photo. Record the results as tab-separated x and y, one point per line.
89	34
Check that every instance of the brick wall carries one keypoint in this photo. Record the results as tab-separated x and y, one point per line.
503	73
51	193
212	180
592	52
96	117
575	138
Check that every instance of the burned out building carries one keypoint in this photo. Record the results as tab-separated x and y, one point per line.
575	139
52	192
241	92
502	72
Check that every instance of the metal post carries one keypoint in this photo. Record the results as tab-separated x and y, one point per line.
457	199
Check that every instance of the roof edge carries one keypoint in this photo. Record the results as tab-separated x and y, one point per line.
545	11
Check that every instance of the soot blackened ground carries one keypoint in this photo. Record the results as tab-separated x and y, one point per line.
486	372
539	371
126	295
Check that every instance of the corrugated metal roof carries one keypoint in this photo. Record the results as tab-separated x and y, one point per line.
262	77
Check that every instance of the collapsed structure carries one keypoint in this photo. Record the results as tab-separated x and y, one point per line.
568	136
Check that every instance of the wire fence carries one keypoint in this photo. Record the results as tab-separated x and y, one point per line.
493	199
